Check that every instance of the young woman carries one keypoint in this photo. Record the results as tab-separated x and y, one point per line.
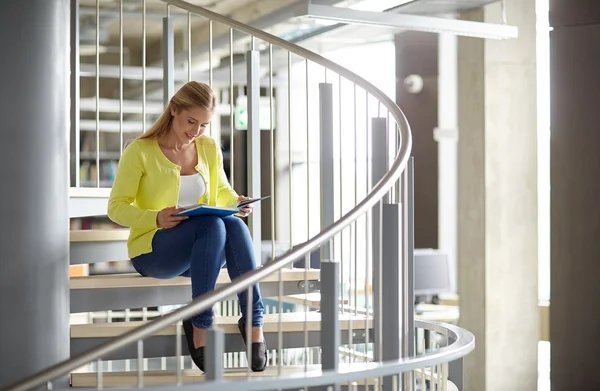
172	165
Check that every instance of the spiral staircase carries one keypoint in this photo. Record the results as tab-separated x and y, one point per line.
340	299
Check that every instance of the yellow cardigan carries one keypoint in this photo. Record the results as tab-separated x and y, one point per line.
147	182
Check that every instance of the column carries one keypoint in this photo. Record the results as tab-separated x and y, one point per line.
497	201
34	152
574	195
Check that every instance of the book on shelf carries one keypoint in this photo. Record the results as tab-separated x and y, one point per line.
220	211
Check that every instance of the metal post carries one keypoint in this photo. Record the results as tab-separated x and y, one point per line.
408	274
168	59
75	135
330	322
34	244
326	161
253	146
379	167
391	316
455	373
215	347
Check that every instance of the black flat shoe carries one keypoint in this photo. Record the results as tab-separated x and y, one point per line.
260	356
197	355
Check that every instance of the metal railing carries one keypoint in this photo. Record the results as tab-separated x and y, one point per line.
386	207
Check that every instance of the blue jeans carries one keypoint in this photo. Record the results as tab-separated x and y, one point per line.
198	248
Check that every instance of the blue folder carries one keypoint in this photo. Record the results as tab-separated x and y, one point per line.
220	211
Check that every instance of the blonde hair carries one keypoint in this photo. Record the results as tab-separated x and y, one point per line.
192	94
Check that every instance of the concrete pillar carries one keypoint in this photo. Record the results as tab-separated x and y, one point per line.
575	191
497	202
34	152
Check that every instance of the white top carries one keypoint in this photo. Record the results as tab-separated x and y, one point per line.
191	188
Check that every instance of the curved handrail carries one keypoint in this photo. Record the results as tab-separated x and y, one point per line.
464	343
205	301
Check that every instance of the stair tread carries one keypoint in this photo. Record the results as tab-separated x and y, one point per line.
166	377
134	280
154	378
99	235
312	299
291	321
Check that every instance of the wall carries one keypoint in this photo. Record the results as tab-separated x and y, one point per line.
575	191
417	53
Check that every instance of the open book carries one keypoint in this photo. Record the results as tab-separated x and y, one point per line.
221	211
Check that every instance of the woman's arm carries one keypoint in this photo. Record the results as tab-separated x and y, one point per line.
124	191
226	196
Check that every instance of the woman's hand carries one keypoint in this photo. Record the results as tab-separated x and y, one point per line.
165	218
245	211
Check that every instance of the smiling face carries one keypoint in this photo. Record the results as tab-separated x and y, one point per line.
189	124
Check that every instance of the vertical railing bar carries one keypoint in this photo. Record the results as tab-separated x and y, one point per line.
99	379
368	244
97	93
214	354
307	158
280	324
399	142
231	114
330	321
178	326
189	45
289	118
388	196
423	379
121	49
168	59
127	319
75	146
140	359
145	318
350	303
376	172
390	152
367	306
249	320
210	63
272	147
445	385
355	223
407	305
432	369
253	146
143	66
341	258
443	376
380	283
280	282
109	320
307	261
